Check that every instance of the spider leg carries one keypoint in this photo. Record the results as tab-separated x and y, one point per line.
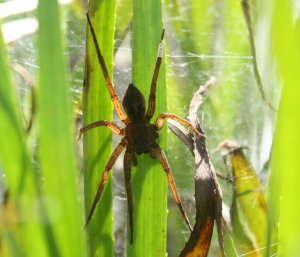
110	125
128	157
151	100
134	160
159	153
116	102
113	157
160	122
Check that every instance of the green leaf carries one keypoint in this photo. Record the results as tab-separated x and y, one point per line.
123	22
250	196
229	246
241	236
285	176
20	227
59	169
149	182
14	157
97	145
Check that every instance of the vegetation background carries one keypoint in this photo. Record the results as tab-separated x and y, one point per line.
43	210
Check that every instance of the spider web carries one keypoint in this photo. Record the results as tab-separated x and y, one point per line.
233	109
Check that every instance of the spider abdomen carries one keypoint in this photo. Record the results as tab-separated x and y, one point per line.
141	137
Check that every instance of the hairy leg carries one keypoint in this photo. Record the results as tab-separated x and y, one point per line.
110	125
111	161
160	122
128	157
159	153
151	100
116	102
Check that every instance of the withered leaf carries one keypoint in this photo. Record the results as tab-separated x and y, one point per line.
207	191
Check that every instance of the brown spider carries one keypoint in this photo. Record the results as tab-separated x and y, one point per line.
140	135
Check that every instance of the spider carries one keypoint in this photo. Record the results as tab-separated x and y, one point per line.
139	135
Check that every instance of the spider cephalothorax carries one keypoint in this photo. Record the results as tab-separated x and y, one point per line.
140	136
134	104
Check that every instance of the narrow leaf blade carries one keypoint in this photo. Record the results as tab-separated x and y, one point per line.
97	143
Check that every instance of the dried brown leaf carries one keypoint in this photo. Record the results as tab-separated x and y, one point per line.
207	191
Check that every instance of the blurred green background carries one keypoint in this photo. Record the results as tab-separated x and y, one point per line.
44	211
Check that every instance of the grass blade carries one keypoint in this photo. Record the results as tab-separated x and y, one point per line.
98	142
23	236
13	153
249	189
149	181
241	236
284	182
64	233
